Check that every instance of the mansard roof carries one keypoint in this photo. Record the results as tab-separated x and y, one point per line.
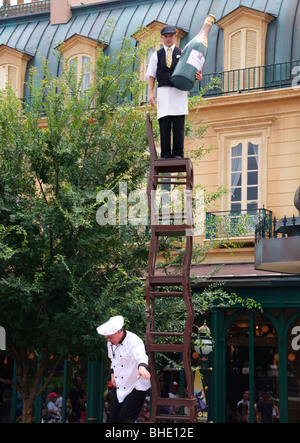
34	33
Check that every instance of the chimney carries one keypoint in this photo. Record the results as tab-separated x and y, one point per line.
60	11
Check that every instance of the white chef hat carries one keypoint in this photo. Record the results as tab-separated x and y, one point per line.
113	325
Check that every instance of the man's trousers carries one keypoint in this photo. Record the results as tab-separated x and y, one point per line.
127	411
167	125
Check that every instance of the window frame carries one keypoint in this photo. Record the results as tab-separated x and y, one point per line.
244	201
225	176
80	66
233	130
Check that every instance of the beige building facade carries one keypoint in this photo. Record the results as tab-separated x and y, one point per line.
271	119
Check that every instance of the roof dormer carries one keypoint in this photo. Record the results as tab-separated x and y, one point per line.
244	38
13	65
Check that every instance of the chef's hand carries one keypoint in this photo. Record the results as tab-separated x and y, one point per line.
199	76
142	372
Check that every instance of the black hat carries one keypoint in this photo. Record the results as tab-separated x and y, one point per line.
169	29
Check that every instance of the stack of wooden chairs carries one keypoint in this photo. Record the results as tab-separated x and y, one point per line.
176	173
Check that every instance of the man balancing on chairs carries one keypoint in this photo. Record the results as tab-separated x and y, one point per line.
172	103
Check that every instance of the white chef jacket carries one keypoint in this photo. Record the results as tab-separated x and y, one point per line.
125	359
170	100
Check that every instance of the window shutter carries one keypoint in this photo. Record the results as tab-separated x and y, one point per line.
235	61
251	48
251	57
12	76
243	55
235	53
86	78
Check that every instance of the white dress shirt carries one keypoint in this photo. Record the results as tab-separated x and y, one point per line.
170	100
125	359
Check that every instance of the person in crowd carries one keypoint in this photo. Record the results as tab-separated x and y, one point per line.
264	408
275	412
77	399
173	393
53	412
243	408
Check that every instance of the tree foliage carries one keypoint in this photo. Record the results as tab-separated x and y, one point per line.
61	273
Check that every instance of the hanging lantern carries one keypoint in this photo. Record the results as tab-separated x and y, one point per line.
203	345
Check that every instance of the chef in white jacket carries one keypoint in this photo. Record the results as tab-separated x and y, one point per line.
129	370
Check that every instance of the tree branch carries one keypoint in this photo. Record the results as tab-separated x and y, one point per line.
58	361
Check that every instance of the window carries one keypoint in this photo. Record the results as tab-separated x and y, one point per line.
244	173
82	65
8	74
243	146
82	53
251	353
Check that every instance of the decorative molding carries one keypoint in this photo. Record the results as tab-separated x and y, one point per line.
78	44
154	27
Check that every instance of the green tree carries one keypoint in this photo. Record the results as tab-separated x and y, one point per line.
61	273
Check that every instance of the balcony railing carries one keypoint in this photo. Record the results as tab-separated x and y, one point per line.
229	224
24	9
275	76
286	227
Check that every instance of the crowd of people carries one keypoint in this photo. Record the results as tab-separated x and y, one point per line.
75	407
265	410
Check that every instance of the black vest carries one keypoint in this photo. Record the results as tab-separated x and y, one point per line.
164	73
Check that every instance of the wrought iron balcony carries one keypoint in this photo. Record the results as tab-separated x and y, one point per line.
274	76
229	224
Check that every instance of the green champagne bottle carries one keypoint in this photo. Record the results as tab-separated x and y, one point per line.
192	57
